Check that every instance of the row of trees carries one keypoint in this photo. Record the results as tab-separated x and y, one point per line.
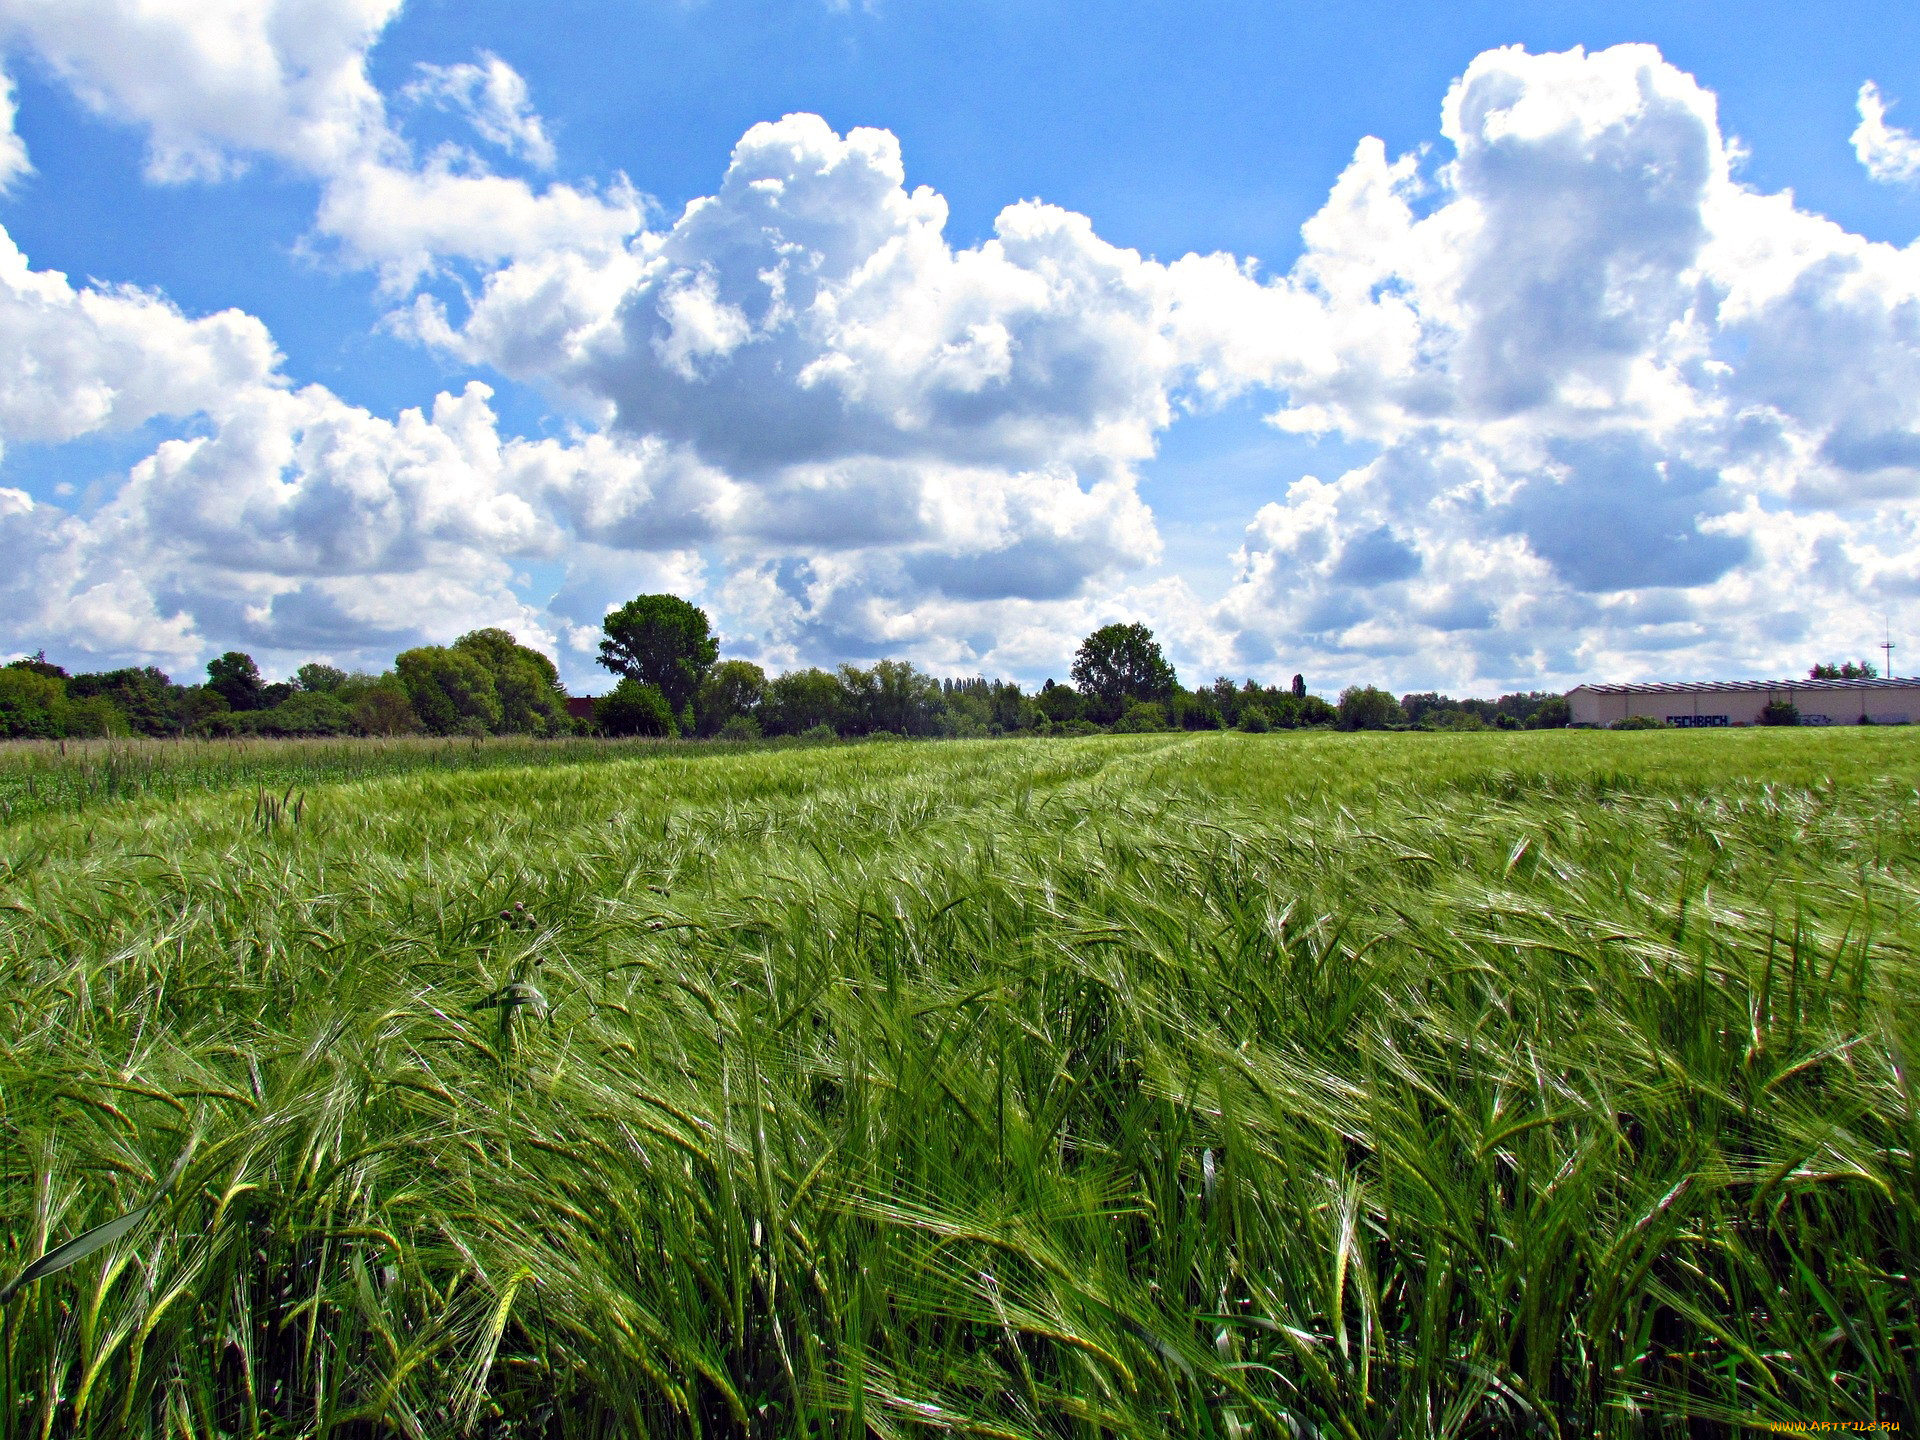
1524	710
485	683
671	681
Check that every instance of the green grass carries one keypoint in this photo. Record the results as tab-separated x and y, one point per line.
1554	1084
67	777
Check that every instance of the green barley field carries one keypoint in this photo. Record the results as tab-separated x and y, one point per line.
1541	1084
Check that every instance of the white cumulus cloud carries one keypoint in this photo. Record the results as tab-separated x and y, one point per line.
76	361
217	86
493	97
1891	154
279	517
945	423
217	82
1617	393
13	150
1626	415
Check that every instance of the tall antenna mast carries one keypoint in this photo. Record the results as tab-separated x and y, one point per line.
1887	646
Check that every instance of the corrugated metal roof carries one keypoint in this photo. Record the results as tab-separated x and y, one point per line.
1694	687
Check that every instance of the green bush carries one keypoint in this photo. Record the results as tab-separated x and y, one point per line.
144	699
95	717
321	678
1638	722
1254	720
819	734
1363	707
802	700
732	690
739	727
1060	703
450	690
634	708
525	684
1553	713
1143	717
1780	712
307	712
31	705
381	707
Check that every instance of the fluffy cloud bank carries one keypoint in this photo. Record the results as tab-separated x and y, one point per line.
1634	417
1629	416
905	430
218	85
281	517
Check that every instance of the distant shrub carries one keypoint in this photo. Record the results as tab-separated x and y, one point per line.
1363	707
819	734
1254	719
95	717
1638	722
1780	712
1143	717
450	689
382	708
1077	727
1553	714
883	735
733	689
31	704
307	712
740	727
634	708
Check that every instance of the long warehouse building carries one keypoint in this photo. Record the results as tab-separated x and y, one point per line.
1739	702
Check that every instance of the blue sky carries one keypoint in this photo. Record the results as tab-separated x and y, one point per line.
1598	369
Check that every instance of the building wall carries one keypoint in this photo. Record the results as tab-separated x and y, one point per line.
1707	704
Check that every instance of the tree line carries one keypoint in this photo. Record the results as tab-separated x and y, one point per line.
671	681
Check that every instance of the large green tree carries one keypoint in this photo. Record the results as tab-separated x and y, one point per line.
526	683
1118	665
31	704
662	641
733	687
892	696
450	690
145	697
318	679
1363	707
801	699
236	679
